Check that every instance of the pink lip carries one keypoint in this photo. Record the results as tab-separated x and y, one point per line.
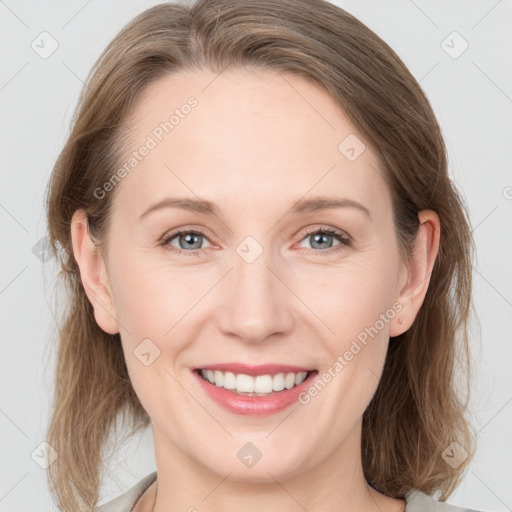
254	370
254	405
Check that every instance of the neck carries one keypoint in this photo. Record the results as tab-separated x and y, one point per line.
337	483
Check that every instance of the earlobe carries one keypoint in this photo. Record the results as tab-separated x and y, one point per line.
93	273
419	270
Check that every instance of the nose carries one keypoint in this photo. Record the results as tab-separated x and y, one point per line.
256	305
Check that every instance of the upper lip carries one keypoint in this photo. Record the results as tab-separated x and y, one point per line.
254	370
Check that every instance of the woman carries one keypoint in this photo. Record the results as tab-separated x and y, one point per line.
215	148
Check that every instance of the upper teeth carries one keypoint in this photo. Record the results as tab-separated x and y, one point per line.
243	383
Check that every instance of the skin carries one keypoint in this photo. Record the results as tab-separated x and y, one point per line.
256	142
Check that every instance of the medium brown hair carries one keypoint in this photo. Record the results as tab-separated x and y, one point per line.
416	412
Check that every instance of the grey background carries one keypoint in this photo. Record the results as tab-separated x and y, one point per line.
472	97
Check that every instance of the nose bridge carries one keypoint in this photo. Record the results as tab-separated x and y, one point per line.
256	305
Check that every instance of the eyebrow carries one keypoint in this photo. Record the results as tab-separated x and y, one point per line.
301	206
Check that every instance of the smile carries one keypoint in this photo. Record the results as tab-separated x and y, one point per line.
261	385
254	390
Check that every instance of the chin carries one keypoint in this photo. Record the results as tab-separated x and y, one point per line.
279	464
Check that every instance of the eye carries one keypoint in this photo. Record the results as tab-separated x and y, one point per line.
187	240
190	241
321	239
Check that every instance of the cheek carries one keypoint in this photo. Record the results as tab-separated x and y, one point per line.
150	304
360	305
348	299
357	307
151	297
359	312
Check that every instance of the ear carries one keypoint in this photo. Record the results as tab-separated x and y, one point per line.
93	273
417	272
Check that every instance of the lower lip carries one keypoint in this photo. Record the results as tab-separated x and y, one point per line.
254	405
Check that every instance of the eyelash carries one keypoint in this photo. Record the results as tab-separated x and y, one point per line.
345	240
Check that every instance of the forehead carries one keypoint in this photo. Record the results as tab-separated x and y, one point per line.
246	138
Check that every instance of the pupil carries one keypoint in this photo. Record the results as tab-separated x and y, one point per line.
318	237
189	238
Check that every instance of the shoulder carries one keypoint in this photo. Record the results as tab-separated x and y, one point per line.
417	501
127	500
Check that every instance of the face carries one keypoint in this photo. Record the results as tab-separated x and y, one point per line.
254	281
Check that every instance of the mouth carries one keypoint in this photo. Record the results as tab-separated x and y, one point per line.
259	390
255	385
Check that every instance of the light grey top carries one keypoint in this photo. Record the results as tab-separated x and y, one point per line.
416	501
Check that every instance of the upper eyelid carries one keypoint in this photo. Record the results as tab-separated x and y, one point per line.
336	232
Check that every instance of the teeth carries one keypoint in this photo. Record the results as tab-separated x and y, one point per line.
263	384
289	380
278	382
219	378
229	380
260	385
299	377
244	383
